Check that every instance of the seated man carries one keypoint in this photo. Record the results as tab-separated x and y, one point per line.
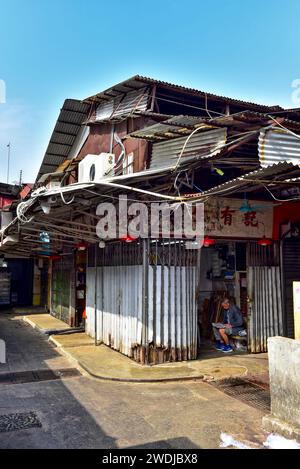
231	325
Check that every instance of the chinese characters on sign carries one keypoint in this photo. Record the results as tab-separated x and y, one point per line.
250	219
227	217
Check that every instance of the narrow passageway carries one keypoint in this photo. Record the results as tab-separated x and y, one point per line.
77	411
27	350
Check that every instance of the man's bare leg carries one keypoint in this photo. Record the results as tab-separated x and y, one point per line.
224	336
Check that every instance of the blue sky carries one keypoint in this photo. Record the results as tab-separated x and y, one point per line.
56	49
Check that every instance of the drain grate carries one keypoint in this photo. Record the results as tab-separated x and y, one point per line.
20	377
245	391
19	421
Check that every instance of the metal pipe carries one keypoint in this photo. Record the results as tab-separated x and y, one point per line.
112	137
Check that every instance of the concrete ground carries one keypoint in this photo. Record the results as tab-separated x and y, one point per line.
83	412
45	322
105	363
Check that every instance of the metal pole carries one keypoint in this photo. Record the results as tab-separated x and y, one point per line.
8	161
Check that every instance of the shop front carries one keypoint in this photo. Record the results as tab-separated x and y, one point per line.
241	261
249	275
155	300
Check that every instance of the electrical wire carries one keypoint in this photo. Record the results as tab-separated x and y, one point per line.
280	200
224	145
20	211
285	128
132	200
136	189
64	200
206	106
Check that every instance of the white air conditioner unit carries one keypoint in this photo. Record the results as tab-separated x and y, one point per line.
93	168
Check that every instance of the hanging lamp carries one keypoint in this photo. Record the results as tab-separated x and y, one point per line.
207	241
128	239
265	241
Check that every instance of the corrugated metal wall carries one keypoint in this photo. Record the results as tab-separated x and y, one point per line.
119	306
202	144
123	105
146	308
276	146
265	313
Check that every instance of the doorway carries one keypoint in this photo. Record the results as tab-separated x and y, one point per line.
223	273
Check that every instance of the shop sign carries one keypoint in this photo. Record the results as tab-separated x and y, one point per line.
238	218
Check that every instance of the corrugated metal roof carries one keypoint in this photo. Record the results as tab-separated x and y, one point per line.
171	128
139	81
69	121
277	145
201	145
248	181
182	124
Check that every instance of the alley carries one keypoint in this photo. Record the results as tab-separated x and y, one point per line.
77	411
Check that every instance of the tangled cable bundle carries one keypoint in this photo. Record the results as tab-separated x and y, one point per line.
22	208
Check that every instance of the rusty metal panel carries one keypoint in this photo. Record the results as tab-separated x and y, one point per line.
276	146
201	145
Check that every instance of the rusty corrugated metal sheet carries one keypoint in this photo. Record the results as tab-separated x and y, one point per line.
276	146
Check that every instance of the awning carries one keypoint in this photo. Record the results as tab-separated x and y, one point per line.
276	174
